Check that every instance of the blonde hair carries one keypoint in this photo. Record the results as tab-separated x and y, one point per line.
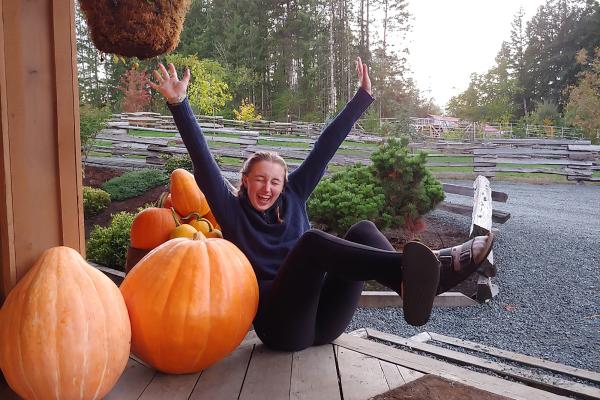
263	156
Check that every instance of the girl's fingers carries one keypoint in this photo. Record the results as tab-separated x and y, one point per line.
172	71
153	85
157	76
163	70
186	76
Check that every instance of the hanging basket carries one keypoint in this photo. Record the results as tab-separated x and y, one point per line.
135	28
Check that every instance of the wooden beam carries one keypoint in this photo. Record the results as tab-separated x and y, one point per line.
469	191
546	382
41	168
509	355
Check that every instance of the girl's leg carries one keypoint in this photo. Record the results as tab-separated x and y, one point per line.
291	304
339	296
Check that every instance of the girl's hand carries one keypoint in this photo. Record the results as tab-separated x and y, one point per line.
169	85
363	75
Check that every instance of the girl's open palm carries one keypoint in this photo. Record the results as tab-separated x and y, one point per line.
168	84
363	75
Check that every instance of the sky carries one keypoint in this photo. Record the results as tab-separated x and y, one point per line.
452	39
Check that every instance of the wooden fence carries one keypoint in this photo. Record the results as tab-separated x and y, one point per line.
236	140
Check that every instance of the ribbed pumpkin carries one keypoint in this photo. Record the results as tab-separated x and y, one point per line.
186	196
64	330
191	302
151	227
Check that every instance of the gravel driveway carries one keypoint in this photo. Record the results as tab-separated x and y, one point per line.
548	259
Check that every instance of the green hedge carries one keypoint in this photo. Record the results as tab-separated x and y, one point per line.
94	201
134	183
108	245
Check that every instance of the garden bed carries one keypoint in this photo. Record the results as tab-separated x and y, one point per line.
436	234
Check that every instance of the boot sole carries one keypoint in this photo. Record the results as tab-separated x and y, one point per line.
420	279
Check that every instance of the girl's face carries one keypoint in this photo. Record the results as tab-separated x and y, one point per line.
264	184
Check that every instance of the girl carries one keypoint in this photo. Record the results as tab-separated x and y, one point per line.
310	282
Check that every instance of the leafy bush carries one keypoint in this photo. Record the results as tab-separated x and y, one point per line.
410	189
246	112
348	197
174	161
134	183
108	245
91	121
94	201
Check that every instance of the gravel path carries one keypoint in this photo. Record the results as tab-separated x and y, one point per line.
548	259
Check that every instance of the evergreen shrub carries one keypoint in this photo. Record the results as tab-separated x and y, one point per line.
347	197
134	183
410	189
108	245
395	191
94	201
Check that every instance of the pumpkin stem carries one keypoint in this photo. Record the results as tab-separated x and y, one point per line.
161	200
199	236
175	217
192	214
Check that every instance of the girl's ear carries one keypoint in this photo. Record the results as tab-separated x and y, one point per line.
244	181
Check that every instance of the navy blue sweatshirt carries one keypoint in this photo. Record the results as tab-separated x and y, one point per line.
264	241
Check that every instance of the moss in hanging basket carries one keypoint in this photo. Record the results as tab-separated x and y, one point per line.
135	28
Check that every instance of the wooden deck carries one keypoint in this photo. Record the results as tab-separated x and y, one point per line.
352	368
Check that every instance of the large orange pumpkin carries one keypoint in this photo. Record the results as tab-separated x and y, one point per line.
64	330
186	196
191	302
151	227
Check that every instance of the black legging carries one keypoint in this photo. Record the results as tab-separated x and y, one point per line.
316	291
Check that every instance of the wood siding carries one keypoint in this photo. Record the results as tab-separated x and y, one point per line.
40	190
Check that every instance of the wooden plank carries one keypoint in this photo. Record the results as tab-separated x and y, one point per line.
514	151
224	380
469	191
314	375
376	299
171	387
392	374
361	375
431	366
482	206
8	267
509	355
546	382
555	171
270	366
497	215
132	383
532	161
579	147
408	374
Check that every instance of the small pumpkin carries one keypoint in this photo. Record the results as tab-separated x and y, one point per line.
64	330
186	196
151	227
201	224
191	302
183	231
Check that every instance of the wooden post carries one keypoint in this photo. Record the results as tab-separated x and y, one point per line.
40	177
482	224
